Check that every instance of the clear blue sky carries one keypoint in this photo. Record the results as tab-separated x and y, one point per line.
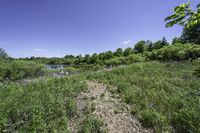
59	27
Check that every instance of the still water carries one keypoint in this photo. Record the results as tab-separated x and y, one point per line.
59	67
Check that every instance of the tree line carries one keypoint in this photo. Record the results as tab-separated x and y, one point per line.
142	51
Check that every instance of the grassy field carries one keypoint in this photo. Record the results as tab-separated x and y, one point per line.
41	106
163	95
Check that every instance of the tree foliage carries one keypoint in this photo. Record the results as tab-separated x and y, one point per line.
191	35
3	53
118	52
183	15
140	46
176	40
128	51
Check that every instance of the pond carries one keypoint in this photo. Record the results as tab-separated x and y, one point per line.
58	67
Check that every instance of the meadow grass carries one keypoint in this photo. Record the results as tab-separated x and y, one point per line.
164	96
42	106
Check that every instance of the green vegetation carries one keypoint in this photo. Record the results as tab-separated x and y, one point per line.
40	106
197	72
16	70
160	81
184	15
143	50
162	95
92	125
176	52
3	54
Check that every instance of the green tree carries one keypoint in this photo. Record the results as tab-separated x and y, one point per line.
79	59
108	55
128	51
191	34
3	53
101	56
149	45
69	56
176	40
183	15
164	42
87	58
157	44
94	58
118	52
140	46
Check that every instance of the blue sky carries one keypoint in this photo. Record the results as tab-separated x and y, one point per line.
59	27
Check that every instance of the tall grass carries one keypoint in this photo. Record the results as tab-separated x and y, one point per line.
162	95
41	106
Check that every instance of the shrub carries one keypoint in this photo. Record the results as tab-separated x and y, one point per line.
16	70
134	58
176	52
112	62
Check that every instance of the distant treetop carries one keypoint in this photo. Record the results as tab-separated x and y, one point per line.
3	53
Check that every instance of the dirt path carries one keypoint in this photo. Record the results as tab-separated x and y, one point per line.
115	114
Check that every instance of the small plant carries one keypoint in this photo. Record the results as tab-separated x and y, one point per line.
93	107
92	125
92	98
89	108
102	95
70	107
134	110
118	110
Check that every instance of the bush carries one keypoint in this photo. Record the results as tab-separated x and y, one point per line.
134	58
112	62
96	67
16	70
176	52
